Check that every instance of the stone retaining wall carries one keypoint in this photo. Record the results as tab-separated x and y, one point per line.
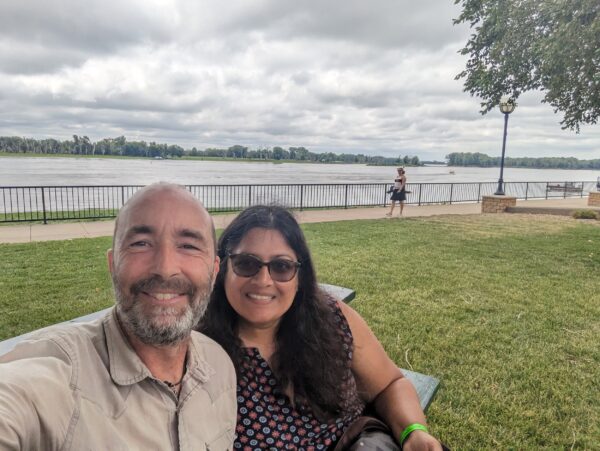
497	204
594	199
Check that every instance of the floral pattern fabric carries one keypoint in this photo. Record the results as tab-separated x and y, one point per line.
268	420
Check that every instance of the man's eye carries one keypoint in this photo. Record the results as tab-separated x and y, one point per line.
139	244
190	247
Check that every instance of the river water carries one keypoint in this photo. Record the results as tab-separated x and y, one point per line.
29	171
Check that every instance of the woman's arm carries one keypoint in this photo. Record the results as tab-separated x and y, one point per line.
381	382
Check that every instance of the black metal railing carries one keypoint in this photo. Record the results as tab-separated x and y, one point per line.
52	203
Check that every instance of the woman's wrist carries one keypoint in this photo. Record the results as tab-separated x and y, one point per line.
408	430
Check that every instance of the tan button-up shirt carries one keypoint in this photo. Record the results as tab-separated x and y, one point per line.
82	387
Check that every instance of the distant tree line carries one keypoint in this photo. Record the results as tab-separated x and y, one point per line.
483	160
82	145
301	154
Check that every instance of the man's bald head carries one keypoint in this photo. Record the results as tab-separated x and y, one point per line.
144	198
163	264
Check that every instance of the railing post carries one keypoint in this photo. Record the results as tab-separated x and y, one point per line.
346	197
301	196
420	191
44	206
526	190
451	191
122	196
546	190
565	193
479	193
250	195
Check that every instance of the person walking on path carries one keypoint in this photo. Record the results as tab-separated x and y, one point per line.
140	377
399	192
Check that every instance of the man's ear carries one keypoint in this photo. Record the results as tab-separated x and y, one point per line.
109	259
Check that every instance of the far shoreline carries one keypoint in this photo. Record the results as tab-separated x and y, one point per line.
256	160
196	158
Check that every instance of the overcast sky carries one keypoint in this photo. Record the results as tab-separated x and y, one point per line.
356	76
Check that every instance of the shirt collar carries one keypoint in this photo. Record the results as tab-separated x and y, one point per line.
198	365
126	368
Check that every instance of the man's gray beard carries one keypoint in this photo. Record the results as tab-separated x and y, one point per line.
144	326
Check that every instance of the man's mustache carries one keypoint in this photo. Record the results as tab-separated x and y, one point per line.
177	285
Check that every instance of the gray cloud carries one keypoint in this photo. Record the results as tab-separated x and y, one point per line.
353	76
44	36
381	23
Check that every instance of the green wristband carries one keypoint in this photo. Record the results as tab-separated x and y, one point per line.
409	429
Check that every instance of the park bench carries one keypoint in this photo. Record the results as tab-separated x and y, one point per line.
567	187
426	386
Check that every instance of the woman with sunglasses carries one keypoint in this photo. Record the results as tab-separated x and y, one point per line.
307	364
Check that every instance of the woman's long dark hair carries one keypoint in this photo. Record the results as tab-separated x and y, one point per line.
310	354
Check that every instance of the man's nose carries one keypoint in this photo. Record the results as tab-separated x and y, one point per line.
166	261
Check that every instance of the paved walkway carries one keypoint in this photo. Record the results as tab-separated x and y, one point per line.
25	233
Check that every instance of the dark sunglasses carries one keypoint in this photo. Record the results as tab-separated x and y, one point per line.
280	269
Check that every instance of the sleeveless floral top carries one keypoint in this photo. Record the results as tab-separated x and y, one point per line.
268	420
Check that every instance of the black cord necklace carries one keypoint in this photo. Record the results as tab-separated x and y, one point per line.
172	385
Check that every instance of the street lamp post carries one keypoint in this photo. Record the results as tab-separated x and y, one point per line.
507	106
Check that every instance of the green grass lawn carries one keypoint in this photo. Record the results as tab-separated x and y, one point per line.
504	309
55	217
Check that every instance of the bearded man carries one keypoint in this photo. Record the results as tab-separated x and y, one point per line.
140	377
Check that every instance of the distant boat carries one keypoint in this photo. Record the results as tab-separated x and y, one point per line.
451	172
158	157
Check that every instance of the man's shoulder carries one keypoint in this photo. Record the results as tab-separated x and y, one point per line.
39	360
59	341
41	381
211	352
214	367
207	343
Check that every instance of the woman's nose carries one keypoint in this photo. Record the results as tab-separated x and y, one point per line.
263	275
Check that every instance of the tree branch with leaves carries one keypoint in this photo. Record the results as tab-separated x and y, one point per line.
523	45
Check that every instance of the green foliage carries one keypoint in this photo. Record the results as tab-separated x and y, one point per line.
83	146
585	214
483	160
550	45
504	309
123	148
48	282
